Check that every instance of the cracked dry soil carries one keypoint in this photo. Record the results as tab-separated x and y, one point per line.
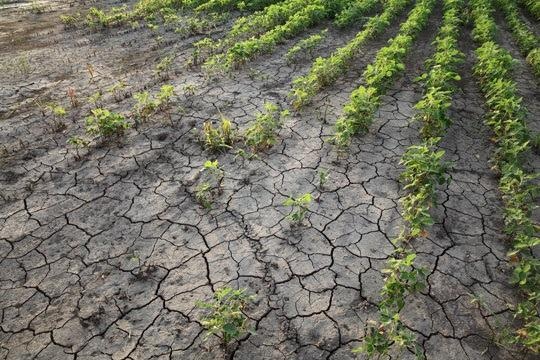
104	257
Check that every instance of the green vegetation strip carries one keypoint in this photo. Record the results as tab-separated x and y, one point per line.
359	111
424	170
325	71
247	49
528	42
533	6
506	118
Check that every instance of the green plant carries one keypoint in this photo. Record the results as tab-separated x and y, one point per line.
147	105
105	123
203	194
306	46
424	170
117	89
226	318
262	133
218	138
211	183
300	207
323	176
58	112
506	118
189	89
164	66
78	142
95	99
402	279
325	71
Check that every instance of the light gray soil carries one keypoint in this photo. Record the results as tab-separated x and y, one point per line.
104	257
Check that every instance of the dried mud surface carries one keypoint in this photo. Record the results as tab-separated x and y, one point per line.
105	256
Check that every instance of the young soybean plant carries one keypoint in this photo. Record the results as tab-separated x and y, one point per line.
220	137
262	133
105	123
204	192
226	318
300	207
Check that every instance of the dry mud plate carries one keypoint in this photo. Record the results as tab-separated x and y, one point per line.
105	250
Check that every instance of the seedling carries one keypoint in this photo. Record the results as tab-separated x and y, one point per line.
306	46
323	176
299	207
105	123
204	192
58	113
117	90
262	133
164	66
78	142
147	105
95	99
218	138
91	71
226	318
189	89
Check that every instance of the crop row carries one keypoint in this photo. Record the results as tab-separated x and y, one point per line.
359	111
506	118
325	71
424	170
245	50
259	33
150	9
533	6
528	42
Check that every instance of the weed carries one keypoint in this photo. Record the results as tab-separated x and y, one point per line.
226	318
300	207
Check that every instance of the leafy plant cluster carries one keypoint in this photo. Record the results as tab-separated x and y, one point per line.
306	46
299	207
210	186
147	105
528	42
402	279
218	137
506	118
325	71
263	131
226	317
103	122
379	75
